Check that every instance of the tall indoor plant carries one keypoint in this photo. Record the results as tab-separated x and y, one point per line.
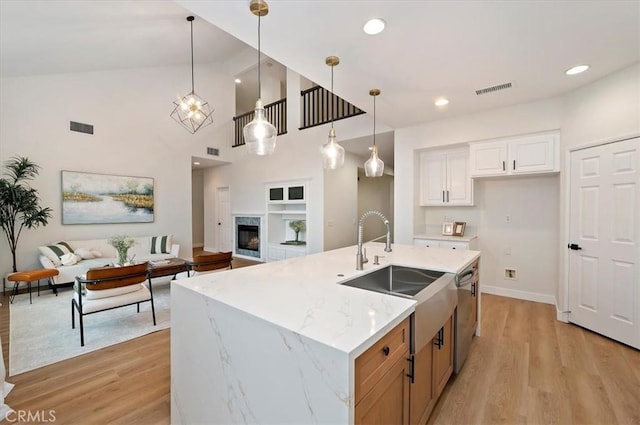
19	203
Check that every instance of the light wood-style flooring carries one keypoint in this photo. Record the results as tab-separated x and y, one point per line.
526	368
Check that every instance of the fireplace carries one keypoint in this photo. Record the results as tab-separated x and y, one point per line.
248	236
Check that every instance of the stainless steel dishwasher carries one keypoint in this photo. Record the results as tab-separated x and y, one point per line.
464	322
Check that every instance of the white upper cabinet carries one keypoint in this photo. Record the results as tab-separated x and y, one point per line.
444	178
530	154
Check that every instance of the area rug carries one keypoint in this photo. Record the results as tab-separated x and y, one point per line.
40	333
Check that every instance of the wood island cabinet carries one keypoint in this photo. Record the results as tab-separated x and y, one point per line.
442	357
382	380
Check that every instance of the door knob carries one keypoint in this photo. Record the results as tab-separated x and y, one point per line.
574	246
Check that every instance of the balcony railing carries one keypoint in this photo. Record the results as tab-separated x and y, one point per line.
275	112
318	104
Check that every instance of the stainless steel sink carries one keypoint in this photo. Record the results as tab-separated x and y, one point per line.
396	280
435	293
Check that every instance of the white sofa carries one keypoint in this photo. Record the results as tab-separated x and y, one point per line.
142	250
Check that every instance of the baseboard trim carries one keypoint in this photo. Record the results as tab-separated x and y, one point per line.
198	245
521	295
562	316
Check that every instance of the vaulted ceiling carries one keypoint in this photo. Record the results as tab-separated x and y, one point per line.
429	48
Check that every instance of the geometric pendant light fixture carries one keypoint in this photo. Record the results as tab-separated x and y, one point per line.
332	152
374	167
259	134
191	111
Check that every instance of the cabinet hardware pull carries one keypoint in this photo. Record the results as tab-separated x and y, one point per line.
443	196
473	289
385	350
447	196
504	167
412	368
514	164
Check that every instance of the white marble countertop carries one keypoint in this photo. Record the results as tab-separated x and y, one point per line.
303	294
437	237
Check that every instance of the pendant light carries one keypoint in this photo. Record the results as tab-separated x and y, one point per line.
332	152
192	111
259	134
374	167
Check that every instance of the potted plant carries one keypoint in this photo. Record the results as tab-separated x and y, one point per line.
122	245
19	203
297	226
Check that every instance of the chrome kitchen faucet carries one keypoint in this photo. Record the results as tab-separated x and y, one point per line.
360	257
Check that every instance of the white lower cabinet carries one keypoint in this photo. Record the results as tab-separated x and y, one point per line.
277	252
445	243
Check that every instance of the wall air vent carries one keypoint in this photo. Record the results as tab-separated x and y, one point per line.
493	88
80	127
213	151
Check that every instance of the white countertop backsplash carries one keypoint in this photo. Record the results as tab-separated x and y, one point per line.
303	294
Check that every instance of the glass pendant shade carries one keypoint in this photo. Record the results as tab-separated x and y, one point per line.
374	167
260	134
191	111
332	153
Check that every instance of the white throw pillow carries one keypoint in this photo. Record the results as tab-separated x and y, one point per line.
70	259
55	252
96	253
105	293
84	253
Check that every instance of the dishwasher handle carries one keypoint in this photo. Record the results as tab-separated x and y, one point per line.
464	279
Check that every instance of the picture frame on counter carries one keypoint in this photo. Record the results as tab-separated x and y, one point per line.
447	228
458	228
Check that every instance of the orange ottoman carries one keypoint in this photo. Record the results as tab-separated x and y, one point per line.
28	277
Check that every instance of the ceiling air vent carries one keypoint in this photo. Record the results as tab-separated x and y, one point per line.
493	88
80	127
213	151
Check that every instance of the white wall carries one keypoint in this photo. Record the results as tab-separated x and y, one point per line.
523	194
341	204
605	110
375	194
134	135
197	208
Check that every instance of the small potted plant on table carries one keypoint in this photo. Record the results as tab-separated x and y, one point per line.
122	245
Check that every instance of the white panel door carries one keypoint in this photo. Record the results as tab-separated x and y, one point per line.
224	220
604	273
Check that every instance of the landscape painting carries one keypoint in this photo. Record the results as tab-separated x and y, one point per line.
89	198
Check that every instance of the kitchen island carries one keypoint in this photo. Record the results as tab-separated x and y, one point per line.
277	342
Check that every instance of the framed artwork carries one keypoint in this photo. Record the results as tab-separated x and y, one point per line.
89	198
458	228
447	228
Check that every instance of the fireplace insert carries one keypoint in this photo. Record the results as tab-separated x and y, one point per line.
248	237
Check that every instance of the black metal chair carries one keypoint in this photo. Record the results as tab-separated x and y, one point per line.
106	288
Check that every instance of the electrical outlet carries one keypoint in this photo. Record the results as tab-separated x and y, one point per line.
510	274
507	218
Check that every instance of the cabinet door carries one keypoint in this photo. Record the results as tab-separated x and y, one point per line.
443	358
533	154
459	183
433	178
422	396
388	400
488	159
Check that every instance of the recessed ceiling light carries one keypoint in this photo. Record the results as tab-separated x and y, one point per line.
196	163
374	26
576	69
441	101
238	80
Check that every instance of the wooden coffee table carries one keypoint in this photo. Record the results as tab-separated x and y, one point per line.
168	267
